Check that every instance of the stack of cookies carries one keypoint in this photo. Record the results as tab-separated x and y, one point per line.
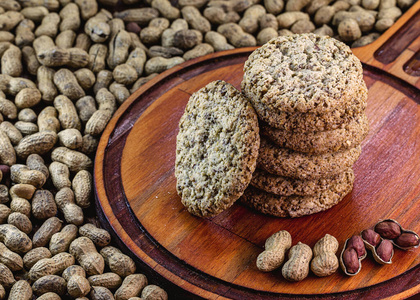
310	98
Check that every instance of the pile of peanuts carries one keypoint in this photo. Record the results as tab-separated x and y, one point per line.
66	65
380	241
300	259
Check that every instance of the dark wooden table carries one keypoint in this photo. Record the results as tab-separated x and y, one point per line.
215	258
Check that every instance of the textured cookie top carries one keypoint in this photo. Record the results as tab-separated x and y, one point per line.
216	149
302	73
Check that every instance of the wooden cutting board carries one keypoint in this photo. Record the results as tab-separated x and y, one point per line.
215	258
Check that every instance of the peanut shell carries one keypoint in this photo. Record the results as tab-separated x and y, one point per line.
343	265
403	243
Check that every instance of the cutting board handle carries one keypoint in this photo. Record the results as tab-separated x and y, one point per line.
397	51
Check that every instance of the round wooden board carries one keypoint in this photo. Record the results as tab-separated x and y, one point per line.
215	258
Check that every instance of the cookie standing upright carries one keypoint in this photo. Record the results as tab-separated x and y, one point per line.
216	149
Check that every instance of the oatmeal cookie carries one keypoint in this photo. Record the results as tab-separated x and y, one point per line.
289	163
295	206
312	121
216	149
285	186
348	135
302	73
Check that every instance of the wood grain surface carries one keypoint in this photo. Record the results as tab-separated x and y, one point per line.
215	258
